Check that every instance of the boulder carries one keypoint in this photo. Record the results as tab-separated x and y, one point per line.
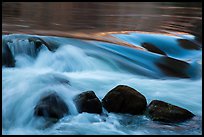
165	112
173	67
88	102
124	99
38	42
51	106
152	48
7	56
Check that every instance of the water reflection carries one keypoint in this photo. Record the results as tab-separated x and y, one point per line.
102	16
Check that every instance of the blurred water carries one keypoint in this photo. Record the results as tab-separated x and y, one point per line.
102	16
99	46
97	66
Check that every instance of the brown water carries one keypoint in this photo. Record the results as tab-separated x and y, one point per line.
58	18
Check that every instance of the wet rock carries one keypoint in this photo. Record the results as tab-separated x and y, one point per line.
7	57
187	44
28	45
165	112
173	67
38	42
51	106
88	102
124	99
152	48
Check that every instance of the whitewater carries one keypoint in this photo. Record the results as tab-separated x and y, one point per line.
78	65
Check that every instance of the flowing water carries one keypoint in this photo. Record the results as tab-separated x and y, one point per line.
156	48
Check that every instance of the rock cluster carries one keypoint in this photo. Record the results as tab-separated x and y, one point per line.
121	99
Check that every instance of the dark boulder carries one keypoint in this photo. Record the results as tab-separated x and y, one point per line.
38	42
88	102
124	99
152	48
165	112
7	56
174	67
51	106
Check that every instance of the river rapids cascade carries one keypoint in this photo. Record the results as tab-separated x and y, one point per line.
159	66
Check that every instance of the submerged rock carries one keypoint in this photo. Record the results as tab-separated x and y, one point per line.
51	106
187	44
88	102
174	67
165	112
124	99
7	56
152	48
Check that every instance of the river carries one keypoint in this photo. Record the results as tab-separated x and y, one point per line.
99	46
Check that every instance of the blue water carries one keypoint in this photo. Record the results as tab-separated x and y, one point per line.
99	66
